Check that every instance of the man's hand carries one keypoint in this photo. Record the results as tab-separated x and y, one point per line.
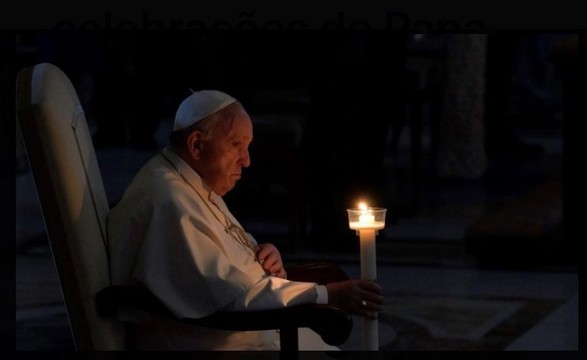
359	297
270	258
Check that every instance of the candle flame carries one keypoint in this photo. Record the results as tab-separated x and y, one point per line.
363	206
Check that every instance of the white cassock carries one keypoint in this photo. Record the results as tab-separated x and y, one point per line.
166	235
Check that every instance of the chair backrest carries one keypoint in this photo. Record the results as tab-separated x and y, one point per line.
72	197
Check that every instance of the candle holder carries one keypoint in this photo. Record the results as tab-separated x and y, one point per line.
367	218
367	221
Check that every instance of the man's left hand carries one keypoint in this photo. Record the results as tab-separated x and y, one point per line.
270	258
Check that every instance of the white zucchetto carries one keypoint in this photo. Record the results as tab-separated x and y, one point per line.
199	105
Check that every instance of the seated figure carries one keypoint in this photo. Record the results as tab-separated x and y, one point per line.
172	233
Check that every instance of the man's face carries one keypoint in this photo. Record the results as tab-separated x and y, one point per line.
226	152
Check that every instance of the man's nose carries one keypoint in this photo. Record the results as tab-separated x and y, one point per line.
245	159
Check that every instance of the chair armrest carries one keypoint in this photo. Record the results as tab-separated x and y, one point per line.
321	272
113	298
330	322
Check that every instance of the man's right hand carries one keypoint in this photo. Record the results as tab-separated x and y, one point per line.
359	297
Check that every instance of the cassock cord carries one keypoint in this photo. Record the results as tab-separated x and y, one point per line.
237	232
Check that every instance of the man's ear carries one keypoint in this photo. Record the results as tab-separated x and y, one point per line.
194	143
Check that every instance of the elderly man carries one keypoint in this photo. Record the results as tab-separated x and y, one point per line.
172	233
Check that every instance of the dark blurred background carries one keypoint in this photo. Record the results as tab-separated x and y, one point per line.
389	117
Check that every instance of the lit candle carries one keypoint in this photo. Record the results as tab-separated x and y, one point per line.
367	226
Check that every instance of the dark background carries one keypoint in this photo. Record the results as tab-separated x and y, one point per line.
327	106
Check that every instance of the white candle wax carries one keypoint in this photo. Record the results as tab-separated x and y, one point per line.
368	254
369	272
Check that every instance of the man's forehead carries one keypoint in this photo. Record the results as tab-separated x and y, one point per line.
239	125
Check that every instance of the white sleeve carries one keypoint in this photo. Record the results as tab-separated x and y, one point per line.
273	293
322	294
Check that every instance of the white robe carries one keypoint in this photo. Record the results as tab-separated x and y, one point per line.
163	235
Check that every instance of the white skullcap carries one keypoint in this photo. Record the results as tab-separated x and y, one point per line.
199	105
